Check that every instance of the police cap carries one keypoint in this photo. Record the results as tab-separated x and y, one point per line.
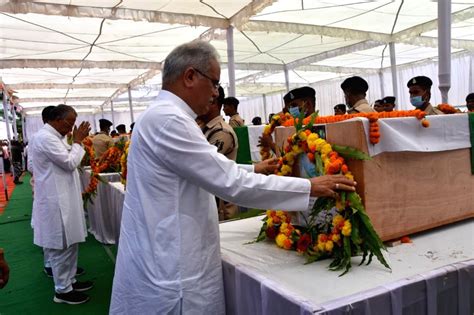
422	81
355	85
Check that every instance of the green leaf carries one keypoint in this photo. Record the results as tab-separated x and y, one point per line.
312	119
299	124
350	152
319	164
355	201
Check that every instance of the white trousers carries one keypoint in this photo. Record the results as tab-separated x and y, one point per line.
64	265
47	264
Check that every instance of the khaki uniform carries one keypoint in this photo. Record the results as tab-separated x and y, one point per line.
361	106
236	121
220	134
101	143
430	110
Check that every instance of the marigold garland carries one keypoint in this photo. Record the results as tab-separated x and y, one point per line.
109	161
287	120
336	228
448	109
123	164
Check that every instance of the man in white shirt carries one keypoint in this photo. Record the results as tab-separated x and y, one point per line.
168	258
59	223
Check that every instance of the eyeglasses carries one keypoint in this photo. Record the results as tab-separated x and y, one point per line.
69	125
215	83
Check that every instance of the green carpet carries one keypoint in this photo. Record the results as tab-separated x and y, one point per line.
29	291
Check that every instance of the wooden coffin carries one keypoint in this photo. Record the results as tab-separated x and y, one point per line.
405	192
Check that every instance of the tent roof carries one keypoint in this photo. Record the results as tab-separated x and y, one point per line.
87	53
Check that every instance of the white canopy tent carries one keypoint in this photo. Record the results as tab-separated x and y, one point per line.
91	53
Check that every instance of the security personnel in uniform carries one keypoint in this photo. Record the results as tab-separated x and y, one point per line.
355	89
220	134
102	141
388	103
420	94
230	109
300	99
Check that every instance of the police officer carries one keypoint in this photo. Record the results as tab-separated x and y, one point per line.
300	99
220	134
102	141
355	90
230	109
420	93
388	103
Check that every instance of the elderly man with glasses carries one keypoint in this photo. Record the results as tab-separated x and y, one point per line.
168	259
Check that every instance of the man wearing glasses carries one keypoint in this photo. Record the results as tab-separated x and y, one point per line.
59	223
168	259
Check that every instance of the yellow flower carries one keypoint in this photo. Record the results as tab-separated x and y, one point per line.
269	213
267	129
347	229
349	175
312	137
329	246
269	221
326	148
302	135
321	247
280	240
280	213
296	149
336	237
276	117
290	158
337	219
284	227
285	169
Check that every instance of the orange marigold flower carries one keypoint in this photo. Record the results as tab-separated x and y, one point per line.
425	123
344	169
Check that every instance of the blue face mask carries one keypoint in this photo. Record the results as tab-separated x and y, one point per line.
417	101
294	111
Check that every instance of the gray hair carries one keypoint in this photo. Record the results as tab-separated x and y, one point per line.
62	111
197	54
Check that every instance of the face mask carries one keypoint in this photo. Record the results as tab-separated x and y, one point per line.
417	101
294	111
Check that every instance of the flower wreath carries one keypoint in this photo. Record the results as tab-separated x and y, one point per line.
336	228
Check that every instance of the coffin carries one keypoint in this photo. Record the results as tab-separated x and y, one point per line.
406	192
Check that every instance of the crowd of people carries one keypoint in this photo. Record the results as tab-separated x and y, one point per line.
182	179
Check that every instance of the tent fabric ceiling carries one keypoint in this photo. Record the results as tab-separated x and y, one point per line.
88	53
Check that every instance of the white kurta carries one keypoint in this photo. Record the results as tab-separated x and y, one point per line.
58	214
168	258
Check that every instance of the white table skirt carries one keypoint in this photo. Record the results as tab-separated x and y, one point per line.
116	195
100	214
433	274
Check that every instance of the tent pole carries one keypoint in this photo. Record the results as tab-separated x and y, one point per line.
444	48
382	86
5	114
94	124
23	130
287	78
130	104
265	107
15	130
393	67
112	112
231	60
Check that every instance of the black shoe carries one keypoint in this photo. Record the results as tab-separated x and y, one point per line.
81	286
72	297
49	271
17	182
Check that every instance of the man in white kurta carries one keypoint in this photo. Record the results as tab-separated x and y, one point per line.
169	256
59	222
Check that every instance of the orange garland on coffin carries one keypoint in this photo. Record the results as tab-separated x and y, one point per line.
287	120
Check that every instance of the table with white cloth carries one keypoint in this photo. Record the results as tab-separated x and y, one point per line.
116	195
100	214
432	275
